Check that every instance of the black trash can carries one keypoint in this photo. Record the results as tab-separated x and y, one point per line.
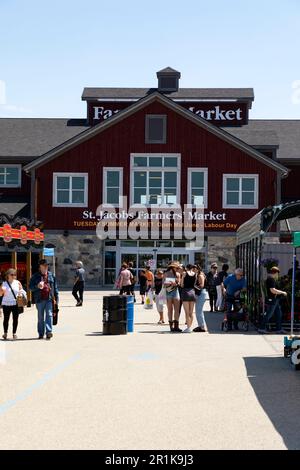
114	315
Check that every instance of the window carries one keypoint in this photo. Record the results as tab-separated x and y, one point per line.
112	185
156	129
70	189
197	186
10	176
240	191
155	179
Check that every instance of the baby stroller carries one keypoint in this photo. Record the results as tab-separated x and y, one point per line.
239	313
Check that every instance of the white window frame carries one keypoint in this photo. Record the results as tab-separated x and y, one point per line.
240	205
10	165
70	204
162	169
205	195
104	183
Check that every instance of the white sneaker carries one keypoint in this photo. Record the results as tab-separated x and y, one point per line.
187	330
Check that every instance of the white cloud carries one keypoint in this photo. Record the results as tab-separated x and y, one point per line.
296	92
2	92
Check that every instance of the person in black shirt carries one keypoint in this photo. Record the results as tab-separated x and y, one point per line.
133	280
272	301
211	280
219	285
143	284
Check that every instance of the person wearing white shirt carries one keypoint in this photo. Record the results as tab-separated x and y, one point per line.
10	289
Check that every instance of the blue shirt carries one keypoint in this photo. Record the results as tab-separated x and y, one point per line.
232	284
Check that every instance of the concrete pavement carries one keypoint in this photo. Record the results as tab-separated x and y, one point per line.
146	390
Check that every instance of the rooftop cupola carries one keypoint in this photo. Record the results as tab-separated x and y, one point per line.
168	80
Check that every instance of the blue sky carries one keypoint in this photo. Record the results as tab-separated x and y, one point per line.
51	50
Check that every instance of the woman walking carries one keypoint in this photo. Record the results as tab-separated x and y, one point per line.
143	284
188	295
10	289
171	282
201	295
211	280
158	284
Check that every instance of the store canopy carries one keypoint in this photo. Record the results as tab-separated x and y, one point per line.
261	222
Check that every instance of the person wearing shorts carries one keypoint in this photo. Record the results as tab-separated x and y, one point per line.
171	283
158	284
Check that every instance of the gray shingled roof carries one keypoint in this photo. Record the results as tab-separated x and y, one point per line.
183	93
29	138
257	133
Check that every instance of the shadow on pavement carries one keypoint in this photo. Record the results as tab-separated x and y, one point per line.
214	321
277	388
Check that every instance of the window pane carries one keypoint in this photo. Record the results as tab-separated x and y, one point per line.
155	199
140	179
170	161
140	161
63	182
63	197
198	196
78	182
155	179
113	196
12	175
170	179
128	243
156	128
232	198
2	172
113	179
233	184
248	184
77	197
110	259
170	199
197	179
155	161
248	198
140	196
146	243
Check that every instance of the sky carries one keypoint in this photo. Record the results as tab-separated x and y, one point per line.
51	50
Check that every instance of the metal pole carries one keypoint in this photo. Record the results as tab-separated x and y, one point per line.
293	293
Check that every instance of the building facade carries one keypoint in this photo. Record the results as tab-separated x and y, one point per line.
165	145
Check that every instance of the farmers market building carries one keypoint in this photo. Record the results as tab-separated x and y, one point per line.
163	145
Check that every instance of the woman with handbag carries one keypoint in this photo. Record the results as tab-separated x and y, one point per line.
14	299
201	295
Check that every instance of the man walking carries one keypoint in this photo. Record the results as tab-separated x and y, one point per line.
78	287
44	288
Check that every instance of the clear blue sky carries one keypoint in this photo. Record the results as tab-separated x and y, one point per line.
51	50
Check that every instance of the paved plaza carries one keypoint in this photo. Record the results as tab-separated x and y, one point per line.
146	390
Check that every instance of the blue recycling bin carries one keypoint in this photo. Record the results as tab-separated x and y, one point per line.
130	313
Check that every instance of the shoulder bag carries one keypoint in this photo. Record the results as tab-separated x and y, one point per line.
21	301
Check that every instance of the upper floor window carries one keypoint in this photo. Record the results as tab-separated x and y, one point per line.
10	176
155	179
240	191
197	186
156	129
112	185
70	189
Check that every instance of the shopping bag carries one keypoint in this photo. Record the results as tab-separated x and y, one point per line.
162	297
148	300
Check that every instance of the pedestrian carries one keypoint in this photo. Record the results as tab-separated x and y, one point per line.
143	284
45	292
187	283
272	301
171	282
133	279
180	269
219	285
158	285
234	285
125	280
78	287
211	280
150	278
10	289
201	295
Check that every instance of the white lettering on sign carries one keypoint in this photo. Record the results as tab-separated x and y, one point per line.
215	114
218	114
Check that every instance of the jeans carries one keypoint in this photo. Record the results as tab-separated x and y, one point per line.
271	309
212	292
78	288
7	310
199	308
220	299
44	309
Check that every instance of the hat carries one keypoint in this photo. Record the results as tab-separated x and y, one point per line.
43	262
214	265
274	270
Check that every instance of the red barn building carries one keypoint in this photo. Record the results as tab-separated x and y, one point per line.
165	145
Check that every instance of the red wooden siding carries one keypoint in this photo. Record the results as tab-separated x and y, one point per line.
290	185
198	148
